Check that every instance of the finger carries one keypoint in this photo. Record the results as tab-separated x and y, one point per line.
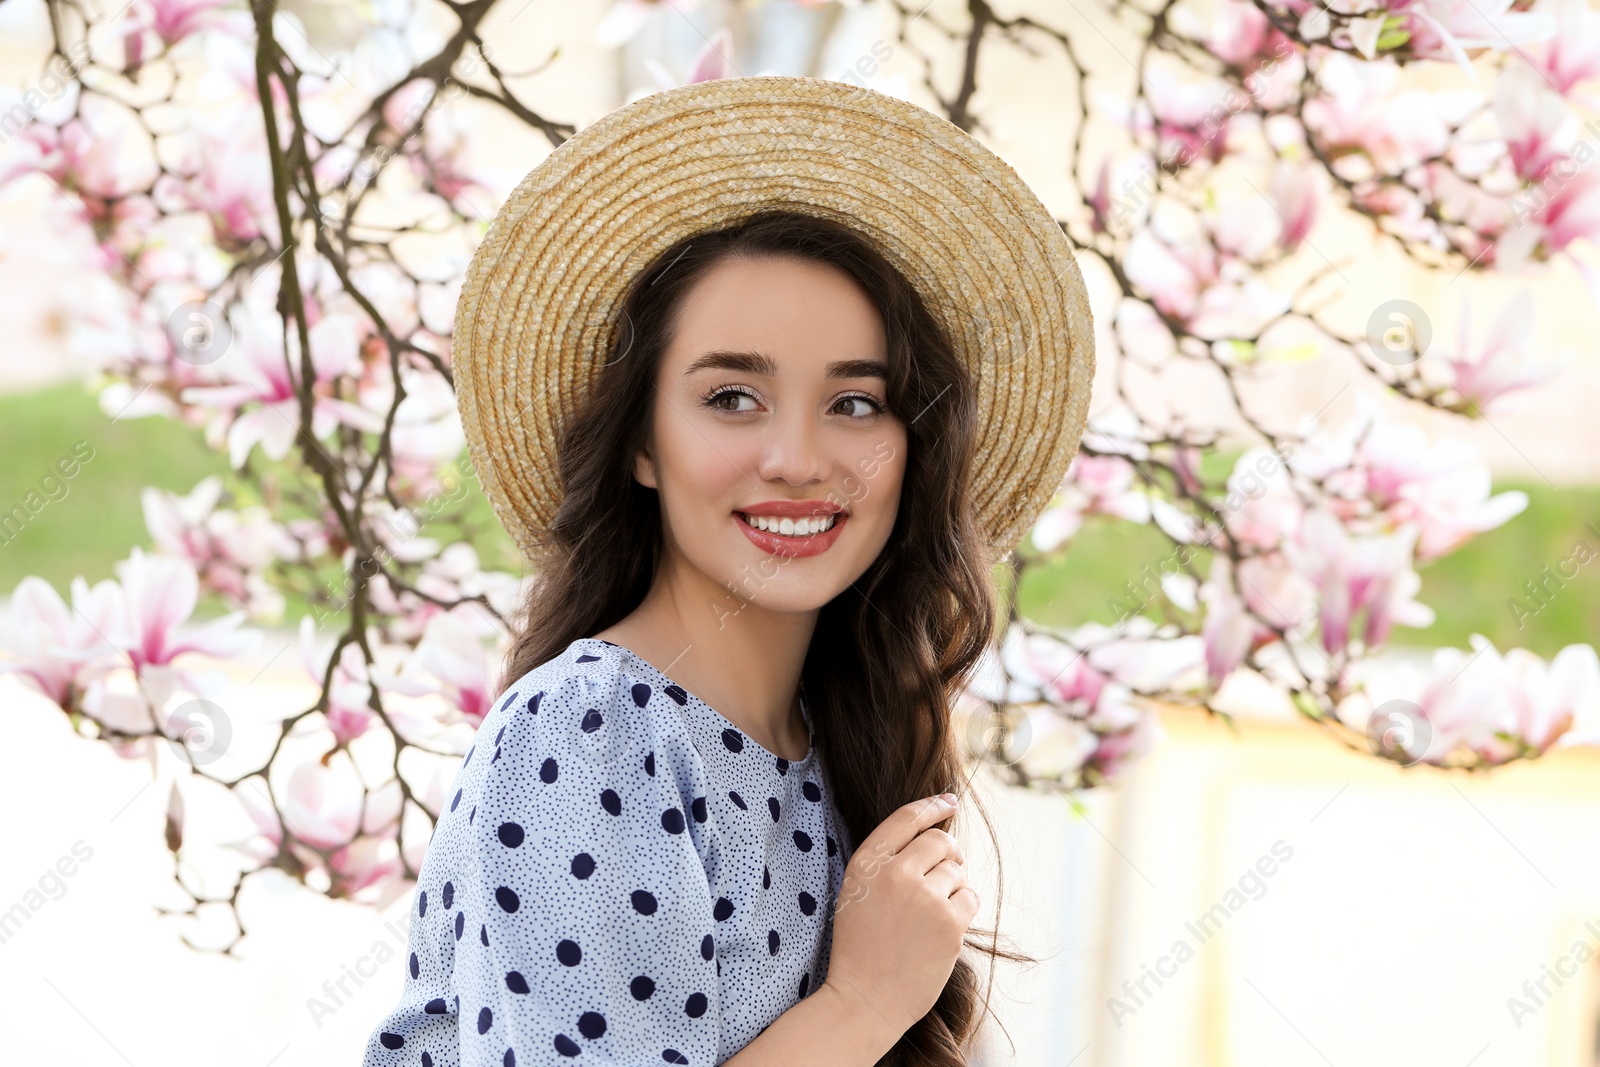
930	847
909	820
947	876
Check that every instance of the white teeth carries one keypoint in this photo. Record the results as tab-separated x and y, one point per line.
806	527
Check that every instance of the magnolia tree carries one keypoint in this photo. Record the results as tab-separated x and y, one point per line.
278	234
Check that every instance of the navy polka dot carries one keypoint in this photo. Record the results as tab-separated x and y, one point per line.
620	864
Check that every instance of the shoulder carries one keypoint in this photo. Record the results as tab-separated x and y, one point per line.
581	704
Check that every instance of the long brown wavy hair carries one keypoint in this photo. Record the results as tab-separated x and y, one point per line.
890	653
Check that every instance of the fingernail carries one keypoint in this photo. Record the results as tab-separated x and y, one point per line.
948	798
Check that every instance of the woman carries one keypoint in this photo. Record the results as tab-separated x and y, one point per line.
759	586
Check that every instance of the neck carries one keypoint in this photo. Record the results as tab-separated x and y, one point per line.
741	659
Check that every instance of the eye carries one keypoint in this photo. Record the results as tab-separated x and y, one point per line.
714	399
873	404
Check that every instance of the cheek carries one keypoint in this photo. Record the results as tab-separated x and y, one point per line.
699	471
875	481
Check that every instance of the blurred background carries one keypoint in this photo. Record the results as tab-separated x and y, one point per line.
1251	890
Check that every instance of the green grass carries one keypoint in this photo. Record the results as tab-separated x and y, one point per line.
99	518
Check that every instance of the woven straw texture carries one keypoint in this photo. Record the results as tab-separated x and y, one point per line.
536	315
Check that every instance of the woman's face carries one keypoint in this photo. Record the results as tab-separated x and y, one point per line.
770	406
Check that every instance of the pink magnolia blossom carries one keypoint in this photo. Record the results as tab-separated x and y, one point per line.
714	60
266	382
1488	706
1214	296
322	805
1488	370
53	642
368	869
1530	115
1274	598
171	21
1091	719
263	845
1103	485
451	662
1190	118
86	154
1445	29
228	186
160	593
1261	509
1572	54
1296	195
348	714
1549	217
1355	574
1381	474
1359	110
228	548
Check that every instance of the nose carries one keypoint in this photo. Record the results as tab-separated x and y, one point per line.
793	450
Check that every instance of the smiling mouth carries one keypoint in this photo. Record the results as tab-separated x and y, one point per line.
809	526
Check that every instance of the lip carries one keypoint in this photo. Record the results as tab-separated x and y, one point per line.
793	509
793	547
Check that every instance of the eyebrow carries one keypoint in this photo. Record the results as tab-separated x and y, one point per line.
759	363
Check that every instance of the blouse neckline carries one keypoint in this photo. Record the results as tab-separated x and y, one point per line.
645	666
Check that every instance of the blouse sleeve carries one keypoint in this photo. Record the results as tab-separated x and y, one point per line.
588	911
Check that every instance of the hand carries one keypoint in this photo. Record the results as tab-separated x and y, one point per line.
900	916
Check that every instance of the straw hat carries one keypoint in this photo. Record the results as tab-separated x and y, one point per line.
536	315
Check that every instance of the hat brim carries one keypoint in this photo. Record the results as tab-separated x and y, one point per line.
536	314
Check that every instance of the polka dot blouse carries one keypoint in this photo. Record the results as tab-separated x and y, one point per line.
619	878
